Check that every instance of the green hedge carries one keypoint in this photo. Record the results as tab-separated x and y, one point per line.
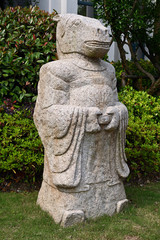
27	40
143	133
21	151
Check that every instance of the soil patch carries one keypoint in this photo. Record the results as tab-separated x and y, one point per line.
12	186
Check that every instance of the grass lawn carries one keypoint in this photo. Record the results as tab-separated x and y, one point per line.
21	218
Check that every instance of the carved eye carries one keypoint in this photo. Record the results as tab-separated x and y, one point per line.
77	22
99	30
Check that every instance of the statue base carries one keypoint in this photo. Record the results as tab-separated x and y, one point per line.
68	207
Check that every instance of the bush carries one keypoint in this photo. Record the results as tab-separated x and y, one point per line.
27	40
141	83
21	150
143	133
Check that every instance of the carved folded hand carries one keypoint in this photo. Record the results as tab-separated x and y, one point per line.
110	118
104	119
92	124
95	119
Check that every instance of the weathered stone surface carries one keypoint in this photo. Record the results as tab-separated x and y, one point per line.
121	205
72	217
82	126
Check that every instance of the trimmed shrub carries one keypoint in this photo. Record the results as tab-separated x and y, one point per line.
143	133
27	40
21	150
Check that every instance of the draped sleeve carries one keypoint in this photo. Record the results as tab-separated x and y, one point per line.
121	165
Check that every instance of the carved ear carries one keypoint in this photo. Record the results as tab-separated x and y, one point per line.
61	29
57	18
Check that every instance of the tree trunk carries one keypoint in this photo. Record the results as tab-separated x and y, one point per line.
155	88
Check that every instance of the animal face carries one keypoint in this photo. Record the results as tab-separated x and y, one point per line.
78	34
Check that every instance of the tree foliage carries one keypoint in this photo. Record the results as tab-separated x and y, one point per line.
137	24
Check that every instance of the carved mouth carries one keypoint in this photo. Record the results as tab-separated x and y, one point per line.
97	44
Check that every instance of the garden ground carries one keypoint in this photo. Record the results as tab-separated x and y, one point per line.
21	218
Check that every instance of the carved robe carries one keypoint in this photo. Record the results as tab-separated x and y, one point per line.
66	116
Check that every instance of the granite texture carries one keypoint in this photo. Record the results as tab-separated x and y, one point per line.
82	126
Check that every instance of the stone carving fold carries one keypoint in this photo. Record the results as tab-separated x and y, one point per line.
82	126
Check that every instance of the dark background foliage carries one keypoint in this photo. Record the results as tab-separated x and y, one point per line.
13	3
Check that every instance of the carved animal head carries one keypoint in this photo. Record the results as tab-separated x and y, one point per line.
79	34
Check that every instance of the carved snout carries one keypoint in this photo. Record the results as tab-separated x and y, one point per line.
104	31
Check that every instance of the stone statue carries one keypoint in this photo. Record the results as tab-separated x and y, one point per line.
82	126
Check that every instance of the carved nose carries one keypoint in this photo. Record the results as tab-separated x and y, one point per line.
102	31
106	32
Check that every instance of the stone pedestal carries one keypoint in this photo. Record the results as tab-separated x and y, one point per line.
69	208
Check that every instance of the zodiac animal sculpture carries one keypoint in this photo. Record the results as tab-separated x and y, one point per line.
82	126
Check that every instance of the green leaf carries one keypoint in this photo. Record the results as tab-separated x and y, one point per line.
40	61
